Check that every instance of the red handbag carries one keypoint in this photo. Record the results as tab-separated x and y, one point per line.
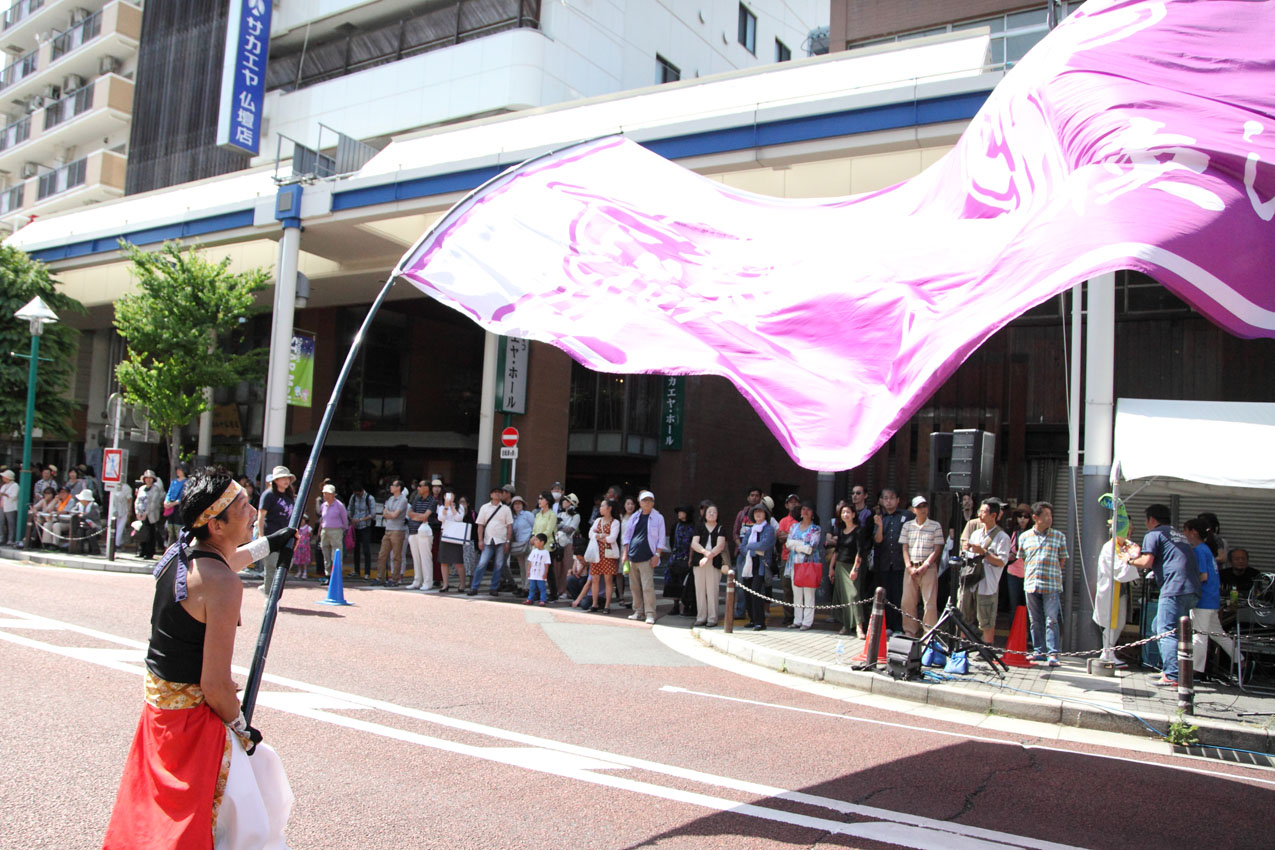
807	574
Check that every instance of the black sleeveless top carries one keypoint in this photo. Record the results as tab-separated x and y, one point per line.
176	651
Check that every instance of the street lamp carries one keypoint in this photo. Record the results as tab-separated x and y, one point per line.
37	313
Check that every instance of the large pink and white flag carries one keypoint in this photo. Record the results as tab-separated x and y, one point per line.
1137	135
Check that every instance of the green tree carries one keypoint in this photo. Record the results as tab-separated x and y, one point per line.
21	279
183	330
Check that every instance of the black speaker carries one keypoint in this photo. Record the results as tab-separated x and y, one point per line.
940	460
903	658
973	461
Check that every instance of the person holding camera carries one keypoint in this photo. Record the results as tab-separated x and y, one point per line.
988	549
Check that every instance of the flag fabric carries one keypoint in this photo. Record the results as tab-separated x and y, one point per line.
1136	135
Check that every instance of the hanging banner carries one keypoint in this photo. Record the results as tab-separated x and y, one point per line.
301	369
673	412
1135	135
243	76
511	375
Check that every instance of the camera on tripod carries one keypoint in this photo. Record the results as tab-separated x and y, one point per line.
969	569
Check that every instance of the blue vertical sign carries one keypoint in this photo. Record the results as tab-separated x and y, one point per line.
243	76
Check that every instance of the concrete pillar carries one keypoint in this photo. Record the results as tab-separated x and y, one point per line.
486	417
288	212
203	453
1072	580
1100	348
823	497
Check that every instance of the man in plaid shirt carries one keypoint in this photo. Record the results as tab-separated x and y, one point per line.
1044	552
922	544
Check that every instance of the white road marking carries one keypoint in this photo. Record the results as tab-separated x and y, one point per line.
898	828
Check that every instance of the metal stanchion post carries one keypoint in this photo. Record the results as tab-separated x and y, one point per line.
875	625
730	602
1186	675
73	536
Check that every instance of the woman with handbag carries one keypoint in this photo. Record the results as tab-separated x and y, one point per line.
602	555
849	567
709	547
755	562
1015	571
451	547
805	566
679	568
568	526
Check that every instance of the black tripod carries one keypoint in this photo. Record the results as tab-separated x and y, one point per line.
955	635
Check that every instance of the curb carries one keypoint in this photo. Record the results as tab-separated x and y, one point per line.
1212	732
48	558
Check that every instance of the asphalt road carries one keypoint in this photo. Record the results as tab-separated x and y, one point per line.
411	720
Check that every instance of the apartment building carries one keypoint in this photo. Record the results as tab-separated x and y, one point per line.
66	100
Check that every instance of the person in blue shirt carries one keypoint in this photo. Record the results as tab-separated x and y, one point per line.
1204	619
1166	552
755	563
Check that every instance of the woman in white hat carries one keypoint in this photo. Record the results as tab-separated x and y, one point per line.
9	507
148	504
274	512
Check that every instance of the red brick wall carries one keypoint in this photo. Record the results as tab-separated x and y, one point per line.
859	20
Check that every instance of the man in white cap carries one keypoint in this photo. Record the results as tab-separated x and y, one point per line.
420	534
333	521
274	511
922	543
9	508
643	538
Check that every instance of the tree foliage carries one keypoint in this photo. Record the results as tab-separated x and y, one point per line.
183	330
21	279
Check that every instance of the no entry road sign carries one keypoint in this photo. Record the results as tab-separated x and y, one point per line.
509	436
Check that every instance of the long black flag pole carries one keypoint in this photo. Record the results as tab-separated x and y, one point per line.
307	478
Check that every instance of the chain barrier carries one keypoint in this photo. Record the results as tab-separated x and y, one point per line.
45	529
739	585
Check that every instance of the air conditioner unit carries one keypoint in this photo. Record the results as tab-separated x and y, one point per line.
72	82
108	65
30	169
42	37
34	102
78	15
51	92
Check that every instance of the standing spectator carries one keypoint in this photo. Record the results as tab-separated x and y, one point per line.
362	509
1204	617
614	493
744	517
249	488
469	549
849	565
1111	601
990	542
709	545
755	562
89	476
9	508
546	523
537	569
556	492
172	499
45	479
520	543
122	499
302	553
605	533
450	519
495	528
1166	552
274	512
792	516
805	566
1044	552
630	508
420	536
679	567
73	483
922	544
148	504
389	559
643	537
568	527
1022	520
333	521
887	559
1213	531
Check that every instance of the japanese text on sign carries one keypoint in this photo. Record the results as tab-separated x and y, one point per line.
243	76
672	412
511	380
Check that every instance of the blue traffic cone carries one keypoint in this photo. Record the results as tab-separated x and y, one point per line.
336	590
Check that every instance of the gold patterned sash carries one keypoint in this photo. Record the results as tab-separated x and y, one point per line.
172	696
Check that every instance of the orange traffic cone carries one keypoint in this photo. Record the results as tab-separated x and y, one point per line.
1017	640
863	654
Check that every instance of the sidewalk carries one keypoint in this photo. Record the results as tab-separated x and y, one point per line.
1066	695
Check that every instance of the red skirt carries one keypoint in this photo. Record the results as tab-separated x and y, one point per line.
167	793
604	567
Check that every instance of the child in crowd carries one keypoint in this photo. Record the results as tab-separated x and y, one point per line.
537	569
301	548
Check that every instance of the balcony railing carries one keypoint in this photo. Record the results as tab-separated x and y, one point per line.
16	133
20	10
71	105
12	199
19	69
59	180
86	30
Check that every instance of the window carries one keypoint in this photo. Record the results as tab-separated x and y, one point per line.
666	71
782	53
1011	35
747	29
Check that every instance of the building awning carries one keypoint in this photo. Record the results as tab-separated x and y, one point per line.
1215	443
